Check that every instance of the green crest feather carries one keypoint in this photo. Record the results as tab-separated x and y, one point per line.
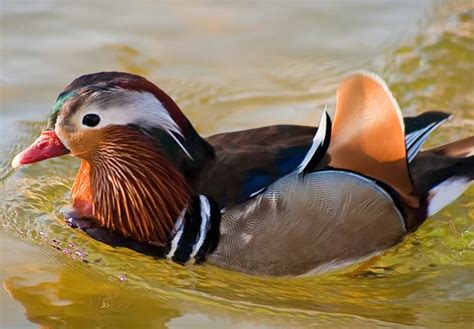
62	98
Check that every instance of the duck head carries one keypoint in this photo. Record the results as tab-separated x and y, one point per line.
138	151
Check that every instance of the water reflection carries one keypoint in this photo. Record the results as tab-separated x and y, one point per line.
56	291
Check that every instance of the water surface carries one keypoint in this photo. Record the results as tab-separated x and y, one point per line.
229	66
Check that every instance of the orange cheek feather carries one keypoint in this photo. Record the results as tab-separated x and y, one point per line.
81	192
83	145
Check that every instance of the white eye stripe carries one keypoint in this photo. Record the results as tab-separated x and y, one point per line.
128	107
122	107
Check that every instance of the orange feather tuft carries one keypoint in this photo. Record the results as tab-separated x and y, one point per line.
81	193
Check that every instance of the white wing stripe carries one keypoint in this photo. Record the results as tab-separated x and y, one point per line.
318	141
179	227
417	139
205	216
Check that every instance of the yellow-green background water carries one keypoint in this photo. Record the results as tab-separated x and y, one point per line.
229	65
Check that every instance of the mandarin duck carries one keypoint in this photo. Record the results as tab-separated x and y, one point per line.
281	200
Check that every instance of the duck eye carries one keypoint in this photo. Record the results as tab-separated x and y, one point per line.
91	120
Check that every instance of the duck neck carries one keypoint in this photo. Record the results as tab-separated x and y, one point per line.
195	234
188	153
130	188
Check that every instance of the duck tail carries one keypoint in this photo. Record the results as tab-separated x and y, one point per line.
451	174
460	149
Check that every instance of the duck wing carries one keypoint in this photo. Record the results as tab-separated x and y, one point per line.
246	161
308	223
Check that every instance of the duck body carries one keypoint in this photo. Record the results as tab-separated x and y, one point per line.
280	200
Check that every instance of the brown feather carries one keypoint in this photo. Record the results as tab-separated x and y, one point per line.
130	187
457	149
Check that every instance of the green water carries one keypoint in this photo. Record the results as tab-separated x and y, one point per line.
229	65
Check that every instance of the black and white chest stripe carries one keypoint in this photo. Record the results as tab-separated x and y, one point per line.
196	232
